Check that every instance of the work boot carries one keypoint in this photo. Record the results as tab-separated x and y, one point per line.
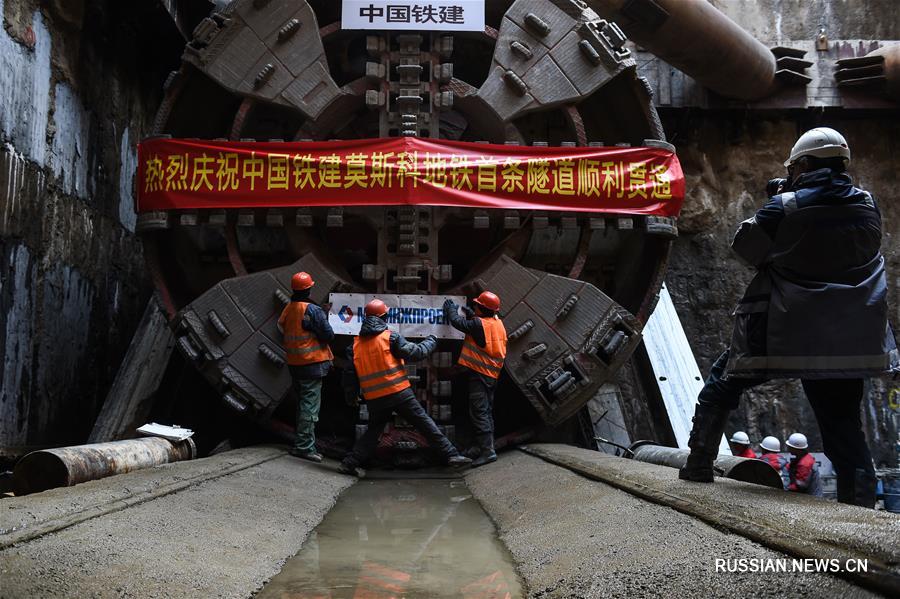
473	452
351	469
311	455
857	488
458	461
487	456
865	489
706	434
486	453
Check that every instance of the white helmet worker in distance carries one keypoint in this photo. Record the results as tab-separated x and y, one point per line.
740	445
821	142
771	443
741	438
797	441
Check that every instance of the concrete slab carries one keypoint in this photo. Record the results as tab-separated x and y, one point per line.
222	537
798	525
24	518
574	537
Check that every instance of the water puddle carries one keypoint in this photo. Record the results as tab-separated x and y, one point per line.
395	539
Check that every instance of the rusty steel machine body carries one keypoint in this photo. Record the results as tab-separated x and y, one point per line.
576	287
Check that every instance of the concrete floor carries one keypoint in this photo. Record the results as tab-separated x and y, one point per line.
574	537
187	530
222	537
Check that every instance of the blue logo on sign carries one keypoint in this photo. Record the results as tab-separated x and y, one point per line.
345	314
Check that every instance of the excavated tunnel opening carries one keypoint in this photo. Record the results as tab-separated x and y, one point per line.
378	84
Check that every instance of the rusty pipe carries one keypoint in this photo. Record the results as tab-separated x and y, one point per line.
748	470
891	55
699	40
67	466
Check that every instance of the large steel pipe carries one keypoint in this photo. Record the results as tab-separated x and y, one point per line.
67	466
698	39
745	469
877	71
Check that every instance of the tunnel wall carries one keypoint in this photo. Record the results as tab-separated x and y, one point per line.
75	96
729	156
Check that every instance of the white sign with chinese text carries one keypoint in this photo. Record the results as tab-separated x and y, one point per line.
409	315
414	15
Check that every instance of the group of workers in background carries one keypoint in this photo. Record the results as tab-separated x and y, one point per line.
800	473
378	375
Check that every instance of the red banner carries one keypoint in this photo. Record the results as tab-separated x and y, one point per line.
196	174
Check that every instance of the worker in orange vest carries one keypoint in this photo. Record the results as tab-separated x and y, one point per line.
378	374
306	335
483	353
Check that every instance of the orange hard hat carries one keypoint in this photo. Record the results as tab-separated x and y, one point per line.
488	300
376	308
301	281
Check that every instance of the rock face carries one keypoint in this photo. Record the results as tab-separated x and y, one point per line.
79	84
728	161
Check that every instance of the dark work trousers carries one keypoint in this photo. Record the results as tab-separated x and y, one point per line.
835	402
309	400
481	408
413	413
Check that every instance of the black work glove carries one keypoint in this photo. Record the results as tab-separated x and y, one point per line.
449	304
431	338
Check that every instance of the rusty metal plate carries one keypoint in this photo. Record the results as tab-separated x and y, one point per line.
271	379
313	91
509	59
232	65
295	41
510	280
218	302
549	297
520	367
548	84
270	330
270	16
248	396
498	96
584	74
559	22
266	79
254	296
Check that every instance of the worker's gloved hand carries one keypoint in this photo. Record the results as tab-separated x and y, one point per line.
449	304
431	338
469	312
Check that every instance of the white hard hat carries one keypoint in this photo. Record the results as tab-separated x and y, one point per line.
771	443
821	142
741	438
797	441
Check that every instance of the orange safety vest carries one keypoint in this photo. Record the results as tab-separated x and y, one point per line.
379	371
302	346
487	360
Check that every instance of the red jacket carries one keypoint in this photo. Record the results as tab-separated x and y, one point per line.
804	475
747	453
774	460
